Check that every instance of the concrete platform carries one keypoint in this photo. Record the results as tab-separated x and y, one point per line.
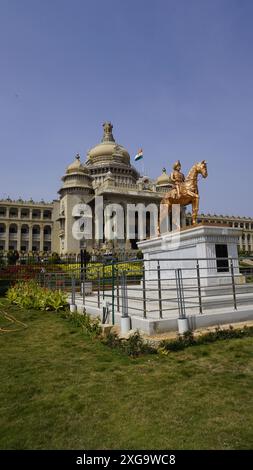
218	310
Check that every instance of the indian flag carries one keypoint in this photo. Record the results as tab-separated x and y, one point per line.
139	155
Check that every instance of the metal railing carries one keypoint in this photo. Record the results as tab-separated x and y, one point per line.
158	289
154	289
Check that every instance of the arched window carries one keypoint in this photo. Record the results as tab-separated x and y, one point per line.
47	230
13	229
36	230
24	229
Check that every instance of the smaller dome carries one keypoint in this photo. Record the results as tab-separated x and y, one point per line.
76	166
164	178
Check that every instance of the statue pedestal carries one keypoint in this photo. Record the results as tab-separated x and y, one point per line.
209	246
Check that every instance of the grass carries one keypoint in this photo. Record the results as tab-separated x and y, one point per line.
62	390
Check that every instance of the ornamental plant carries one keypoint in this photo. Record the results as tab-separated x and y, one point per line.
30	295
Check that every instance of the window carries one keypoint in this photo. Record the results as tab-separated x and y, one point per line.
222	258
2	212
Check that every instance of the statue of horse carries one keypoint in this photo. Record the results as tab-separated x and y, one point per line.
188	193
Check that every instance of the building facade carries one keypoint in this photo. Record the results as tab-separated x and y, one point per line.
30	227
244	223
27	226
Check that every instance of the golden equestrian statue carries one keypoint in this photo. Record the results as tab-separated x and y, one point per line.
186	189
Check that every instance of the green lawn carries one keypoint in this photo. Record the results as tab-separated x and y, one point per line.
61	390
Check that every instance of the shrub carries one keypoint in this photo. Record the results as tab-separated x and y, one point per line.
139	254
112	340
12	257
30	295
54	259
133	346
2	259
188	339
91	326
4	286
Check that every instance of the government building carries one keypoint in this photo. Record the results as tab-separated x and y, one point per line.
41	227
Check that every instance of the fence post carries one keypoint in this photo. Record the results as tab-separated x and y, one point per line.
81	265
117	289
182	321
73	307
113	319
159	289
84	273
124	295
199	289
144	293
180	294
98	288
233	283
103	280
125	320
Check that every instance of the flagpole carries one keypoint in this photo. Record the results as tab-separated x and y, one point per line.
137	157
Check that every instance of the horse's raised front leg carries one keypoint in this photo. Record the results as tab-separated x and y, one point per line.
195	209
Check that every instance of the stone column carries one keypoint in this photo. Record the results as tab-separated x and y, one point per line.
240	241
246	241
41	237
7	225
19	237
30	237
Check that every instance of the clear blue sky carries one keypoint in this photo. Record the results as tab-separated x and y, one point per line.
175	77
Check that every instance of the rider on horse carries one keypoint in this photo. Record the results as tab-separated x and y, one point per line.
177	177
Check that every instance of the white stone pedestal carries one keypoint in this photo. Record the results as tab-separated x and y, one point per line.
183	325
184	248
124	325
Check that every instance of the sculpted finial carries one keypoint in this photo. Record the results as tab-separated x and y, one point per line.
108	136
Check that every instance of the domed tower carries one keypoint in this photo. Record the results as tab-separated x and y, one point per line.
76	179
109	156
163	182
76	189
